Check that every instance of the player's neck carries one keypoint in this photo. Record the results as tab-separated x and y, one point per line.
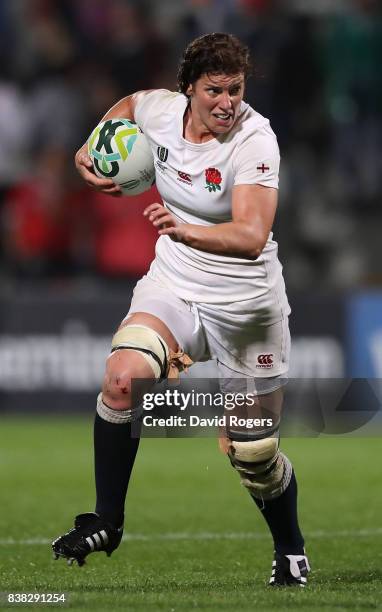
194	129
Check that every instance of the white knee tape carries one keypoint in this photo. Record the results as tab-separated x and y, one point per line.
116	416
256	451
161	358
262	468
148	343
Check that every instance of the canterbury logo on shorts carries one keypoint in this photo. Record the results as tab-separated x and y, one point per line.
265	360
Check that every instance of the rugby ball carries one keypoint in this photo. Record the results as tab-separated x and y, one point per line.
120	151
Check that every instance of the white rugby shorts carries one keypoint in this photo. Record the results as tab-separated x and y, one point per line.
243	347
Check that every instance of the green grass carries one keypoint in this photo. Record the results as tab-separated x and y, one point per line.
180	490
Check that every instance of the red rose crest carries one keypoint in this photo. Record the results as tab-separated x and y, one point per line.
213	179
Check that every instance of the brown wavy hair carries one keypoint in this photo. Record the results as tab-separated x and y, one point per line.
216	53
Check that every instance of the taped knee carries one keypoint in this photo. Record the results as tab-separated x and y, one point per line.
164	362
262	468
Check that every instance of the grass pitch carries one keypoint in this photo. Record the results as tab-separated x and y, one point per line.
194	539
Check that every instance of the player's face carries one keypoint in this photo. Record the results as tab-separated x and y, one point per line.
215	101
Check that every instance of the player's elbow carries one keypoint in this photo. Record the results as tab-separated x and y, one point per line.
250	240
253	245
254	252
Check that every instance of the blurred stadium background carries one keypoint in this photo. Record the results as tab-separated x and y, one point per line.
69	259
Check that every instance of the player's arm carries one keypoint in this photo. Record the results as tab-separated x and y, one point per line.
253	213
124	109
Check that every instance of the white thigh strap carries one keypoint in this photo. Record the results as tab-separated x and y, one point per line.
147	342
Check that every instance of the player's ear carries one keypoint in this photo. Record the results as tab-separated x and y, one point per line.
189	90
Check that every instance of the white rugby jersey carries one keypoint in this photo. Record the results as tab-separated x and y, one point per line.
195	182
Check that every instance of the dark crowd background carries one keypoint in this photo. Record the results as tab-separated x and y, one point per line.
318	79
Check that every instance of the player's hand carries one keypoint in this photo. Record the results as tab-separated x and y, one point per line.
84	166
165	222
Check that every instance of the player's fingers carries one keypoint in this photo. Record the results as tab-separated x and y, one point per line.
151	208
84	165
86	173
168	219
175	233
114	191
148	212
169	231
92	179
83	159
158	213
100	184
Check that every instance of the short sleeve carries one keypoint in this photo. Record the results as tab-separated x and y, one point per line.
147	105
257	159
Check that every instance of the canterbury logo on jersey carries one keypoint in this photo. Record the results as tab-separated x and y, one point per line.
183	177
265	360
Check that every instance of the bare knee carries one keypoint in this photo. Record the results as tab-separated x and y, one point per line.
122	368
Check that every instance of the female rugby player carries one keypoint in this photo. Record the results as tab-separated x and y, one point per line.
214	290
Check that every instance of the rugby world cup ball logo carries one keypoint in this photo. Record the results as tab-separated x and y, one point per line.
120	151
102	147
213	179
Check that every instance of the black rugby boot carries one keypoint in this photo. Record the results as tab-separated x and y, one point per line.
90	534
289	570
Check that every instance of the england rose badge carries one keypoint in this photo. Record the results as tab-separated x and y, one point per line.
213	179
